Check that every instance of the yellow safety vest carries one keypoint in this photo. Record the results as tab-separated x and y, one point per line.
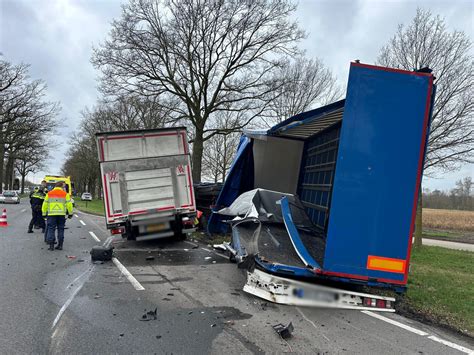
57	203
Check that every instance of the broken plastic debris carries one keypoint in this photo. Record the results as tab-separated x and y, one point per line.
71	256
220	246
150	315
284	331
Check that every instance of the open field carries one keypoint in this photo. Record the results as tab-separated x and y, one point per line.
441	287
94	206
452	220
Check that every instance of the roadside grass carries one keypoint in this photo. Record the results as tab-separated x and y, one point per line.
94	206
441	287
210	239
452	220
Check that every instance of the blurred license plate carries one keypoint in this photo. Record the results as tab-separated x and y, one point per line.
156	227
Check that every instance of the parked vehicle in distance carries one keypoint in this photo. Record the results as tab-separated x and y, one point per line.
147	183
9	197
86	196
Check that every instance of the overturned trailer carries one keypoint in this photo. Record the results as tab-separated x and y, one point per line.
353	167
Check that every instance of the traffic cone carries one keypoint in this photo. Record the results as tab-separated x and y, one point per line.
3	219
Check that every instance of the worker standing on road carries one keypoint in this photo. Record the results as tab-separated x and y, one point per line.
36	201
57	204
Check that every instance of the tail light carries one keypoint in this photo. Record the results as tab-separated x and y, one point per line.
372	302
187	222
119	230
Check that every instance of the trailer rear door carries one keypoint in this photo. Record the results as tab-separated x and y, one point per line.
145	173
378	173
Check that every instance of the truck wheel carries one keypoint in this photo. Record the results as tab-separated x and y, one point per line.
178	235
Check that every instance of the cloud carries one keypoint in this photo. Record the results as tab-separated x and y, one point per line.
56	38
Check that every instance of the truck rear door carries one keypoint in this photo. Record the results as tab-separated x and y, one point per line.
378	173
146	172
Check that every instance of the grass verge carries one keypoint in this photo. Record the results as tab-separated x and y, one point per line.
441	288
94	206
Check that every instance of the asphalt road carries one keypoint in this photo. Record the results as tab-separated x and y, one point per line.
54	304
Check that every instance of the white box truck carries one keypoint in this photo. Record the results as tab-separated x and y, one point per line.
147	183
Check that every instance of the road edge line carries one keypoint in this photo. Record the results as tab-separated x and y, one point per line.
137	285
451	345
92	234
394	322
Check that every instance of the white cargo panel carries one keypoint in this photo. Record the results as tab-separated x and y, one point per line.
123	146
145	174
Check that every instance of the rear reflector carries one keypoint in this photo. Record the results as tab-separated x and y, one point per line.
117	230
386	264
376	303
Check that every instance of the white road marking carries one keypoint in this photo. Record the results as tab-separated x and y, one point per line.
94	236
68	302
82	222
451	345
311	322
108	241
75	214
77	278
137	285
394	322
420	332
216	253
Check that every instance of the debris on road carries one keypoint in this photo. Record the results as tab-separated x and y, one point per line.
285	332
207	258
220	246
149	258
101	253
150	315
71	256
97	296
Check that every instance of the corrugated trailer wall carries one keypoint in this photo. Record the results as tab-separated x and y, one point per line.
317	174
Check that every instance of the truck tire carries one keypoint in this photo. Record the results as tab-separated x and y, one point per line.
129	232
180	236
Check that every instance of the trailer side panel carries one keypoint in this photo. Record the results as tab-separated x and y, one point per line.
378	174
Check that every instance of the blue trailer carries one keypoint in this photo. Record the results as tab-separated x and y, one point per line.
354	167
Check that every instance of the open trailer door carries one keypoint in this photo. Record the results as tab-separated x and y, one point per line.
378	173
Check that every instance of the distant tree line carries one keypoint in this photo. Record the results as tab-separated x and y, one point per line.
27	124
461	197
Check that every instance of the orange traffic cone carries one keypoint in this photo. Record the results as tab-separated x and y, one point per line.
3	219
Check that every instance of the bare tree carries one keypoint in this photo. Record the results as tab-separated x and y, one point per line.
426	42
211	56
30	160
25	115
126	112
301	84
220	149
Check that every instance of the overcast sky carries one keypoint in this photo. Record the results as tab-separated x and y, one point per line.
56	36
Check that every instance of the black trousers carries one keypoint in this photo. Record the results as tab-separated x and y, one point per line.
37	219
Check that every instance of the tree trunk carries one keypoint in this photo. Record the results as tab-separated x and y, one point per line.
198	147
23	176
419	222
